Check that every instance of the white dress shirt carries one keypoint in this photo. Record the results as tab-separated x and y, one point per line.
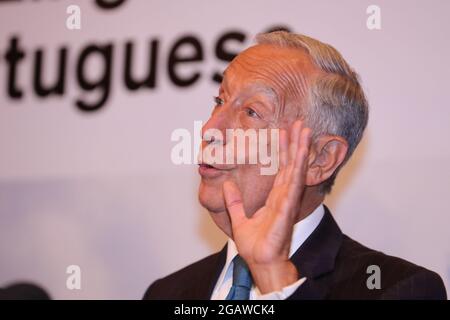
302	230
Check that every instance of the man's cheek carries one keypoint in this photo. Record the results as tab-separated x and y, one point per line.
255	188
253	146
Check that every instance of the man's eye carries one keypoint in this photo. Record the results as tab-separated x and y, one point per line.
251	113
218	101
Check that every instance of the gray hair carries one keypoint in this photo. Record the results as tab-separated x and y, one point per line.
335	102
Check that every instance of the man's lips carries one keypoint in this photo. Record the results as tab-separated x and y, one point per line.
209	171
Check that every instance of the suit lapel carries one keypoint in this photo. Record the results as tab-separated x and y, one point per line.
205	287
316	257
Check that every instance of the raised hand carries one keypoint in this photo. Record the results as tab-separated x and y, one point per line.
263	240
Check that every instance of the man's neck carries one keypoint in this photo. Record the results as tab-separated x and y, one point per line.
311	199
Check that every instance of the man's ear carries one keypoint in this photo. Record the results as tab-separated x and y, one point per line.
327	153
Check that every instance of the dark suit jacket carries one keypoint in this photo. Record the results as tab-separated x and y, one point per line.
335	267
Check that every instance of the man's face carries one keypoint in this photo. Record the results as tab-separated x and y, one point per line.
262	88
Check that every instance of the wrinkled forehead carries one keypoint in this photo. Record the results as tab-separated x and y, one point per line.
282	72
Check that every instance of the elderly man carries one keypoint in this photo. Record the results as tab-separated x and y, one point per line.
283	242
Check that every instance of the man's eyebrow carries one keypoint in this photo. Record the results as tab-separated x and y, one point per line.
268	91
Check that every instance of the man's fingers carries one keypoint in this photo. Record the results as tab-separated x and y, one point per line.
233	202
301	158
283	156
296	179
284	148
293	147
294	140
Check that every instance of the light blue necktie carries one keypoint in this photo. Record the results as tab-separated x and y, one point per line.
242	280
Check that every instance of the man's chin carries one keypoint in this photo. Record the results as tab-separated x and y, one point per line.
211	199
213	206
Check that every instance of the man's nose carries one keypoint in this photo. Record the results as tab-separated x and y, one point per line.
219	120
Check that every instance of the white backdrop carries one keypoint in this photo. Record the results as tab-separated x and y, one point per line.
97	189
